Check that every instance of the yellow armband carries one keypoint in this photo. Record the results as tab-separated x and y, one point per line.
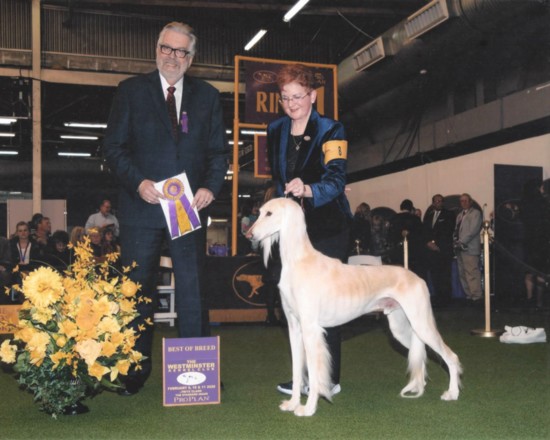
335	150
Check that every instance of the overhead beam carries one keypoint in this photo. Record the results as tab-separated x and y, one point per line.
238	6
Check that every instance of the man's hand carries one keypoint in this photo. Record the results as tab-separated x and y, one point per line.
149	193
203	198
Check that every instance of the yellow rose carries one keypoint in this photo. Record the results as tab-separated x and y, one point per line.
87	317
129	288
108	325
61	341
89	350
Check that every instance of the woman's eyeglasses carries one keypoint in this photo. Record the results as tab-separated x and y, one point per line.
288	99
167	50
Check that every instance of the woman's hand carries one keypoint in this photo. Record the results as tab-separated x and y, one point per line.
298	188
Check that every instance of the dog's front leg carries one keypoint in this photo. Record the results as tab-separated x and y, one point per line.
297	352
318	362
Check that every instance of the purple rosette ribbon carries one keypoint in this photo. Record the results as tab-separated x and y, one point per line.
182	217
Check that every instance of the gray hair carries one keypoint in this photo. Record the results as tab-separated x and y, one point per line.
180	28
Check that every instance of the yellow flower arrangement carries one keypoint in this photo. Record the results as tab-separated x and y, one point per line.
72	338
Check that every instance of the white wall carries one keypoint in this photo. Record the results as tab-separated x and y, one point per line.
472	173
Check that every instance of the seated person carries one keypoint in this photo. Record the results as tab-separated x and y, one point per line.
5	269
59	255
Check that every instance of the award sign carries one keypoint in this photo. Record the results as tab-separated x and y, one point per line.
181	218
191	371
9	315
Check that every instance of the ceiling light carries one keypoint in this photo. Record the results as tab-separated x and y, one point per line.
84	138
233	143
8	153
7	135
7	121
84	125
253	132
294	10
61	153
255	39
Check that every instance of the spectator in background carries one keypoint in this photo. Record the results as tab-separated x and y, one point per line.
96	244
59	255
407	220
532	212
249	216
467	246
438	227
5	269
77	235
103	218
25	251
380	245
109	241
360	233
43	231
33	224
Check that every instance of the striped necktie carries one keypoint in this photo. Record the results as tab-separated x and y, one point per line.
172	112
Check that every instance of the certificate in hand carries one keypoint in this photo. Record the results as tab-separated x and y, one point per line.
176	205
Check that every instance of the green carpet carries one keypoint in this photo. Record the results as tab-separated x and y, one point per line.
505	391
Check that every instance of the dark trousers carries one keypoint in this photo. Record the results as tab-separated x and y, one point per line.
439	267
143	245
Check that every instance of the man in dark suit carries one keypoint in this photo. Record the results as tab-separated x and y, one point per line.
156	132
439	224
407	220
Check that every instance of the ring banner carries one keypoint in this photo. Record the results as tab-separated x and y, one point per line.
180	217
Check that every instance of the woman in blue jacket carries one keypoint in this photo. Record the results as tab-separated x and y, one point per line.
308	158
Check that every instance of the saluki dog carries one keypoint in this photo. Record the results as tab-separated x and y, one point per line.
318	292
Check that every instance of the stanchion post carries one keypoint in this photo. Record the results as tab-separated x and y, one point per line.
404	233
487	332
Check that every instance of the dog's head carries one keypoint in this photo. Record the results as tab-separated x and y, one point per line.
276	216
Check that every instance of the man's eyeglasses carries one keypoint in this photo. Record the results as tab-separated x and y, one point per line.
167	50
288	99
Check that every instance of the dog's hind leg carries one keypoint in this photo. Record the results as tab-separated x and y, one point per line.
318	367
298	363
427	331
403	332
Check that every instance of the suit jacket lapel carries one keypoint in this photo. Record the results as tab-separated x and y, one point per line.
309	142
159	102
283	141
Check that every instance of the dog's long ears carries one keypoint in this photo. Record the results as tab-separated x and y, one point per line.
267	244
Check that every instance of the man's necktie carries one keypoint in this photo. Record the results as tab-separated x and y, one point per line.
172	112
458	223
434	220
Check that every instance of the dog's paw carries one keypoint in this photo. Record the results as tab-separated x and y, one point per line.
288	405
304	411
449	395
